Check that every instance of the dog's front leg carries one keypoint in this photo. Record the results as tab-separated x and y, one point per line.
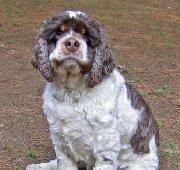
106	152
106	164
63	161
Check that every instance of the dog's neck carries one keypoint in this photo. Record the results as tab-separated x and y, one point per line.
69	88
70	82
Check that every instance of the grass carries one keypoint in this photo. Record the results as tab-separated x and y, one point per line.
168	57
135	80
170	153
177	163
177	7
7	147
170	145
169	148
162	34
142	93
164	89
18	168
160	125
168	44
30	154
1	29
176	25
178	122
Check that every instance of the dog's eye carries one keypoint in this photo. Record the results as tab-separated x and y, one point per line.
54	39
57	36
87	39
59	32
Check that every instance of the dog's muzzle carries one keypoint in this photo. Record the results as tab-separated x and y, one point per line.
71	44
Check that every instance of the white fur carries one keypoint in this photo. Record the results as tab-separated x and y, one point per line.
74	14
92	123
59	55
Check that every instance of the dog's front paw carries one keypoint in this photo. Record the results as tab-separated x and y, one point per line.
34	167
52	165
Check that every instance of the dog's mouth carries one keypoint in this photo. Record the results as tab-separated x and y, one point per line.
71	65
70	59
68	65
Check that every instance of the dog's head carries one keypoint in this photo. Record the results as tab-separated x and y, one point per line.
73	43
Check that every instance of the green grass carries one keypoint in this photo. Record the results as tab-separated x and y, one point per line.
176	25
18	168
136	80
2	29
31	155
168	57
177	7
160	90
142	94
178	122
170	145
168	44
169	148
166	153
161	125
7	147
164	89
177	163
162	34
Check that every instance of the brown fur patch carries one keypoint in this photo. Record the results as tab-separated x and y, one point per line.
147	125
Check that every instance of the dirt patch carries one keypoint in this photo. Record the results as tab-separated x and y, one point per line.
144	37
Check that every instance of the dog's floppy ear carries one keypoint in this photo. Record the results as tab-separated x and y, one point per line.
104	62
45	45
40	59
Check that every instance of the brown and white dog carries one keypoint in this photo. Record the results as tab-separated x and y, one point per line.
97	121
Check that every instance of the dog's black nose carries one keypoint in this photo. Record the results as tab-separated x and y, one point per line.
72	44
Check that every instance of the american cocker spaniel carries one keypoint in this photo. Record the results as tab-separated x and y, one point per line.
97	121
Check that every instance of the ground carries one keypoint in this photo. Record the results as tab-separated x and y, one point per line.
145	39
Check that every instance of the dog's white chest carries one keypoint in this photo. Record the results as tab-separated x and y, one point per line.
84	122
81	123
90	120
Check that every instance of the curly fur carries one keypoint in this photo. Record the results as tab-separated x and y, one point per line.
45	46
103	63
97	121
